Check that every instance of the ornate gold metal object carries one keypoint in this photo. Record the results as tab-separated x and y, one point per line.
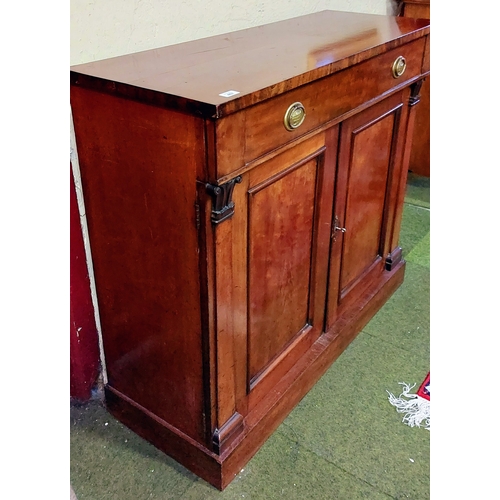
398	67
294	116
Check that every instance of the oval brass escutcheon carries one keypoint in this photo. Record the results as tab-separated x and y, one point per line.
398	67
294	116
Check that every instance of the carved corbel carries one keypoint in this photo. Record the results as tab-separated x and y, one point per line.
222	204
415	93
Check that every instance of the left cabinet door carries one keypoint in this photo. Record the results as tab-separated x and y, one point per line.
281	235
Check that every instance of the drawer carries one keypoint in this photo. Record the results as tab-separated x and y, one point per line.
252	132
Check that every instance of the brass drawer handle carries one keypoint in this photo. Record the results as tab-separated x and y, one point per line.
398	67
294	116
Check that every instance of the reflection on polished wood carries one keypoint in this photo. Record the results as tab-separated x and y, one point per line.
329	53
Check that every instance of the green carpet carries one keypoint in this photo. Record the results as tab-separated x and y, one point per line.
418	190
343	441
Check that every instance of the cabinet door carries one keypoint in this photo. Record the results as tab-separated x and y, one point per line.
281	234
366	201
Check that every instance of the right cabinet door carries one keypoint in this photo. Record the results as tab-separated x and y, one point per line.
367	202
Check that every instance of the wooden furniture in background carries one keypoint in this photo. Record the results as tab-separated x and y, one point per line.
420	9
244	196
420	154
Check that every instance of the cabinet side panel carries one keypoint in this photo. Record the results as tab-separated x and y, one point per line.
138	165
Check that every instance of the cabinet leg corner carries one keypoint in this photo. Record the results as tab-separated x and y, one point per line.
227	433
393	259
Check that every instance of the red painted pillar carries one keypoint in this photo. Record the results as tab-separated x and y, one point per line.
84	343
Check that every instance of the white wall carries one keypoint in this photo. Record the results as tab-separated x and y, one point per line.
107	28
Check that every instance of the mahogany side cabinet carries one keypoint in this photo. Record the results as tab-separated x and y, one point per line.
243	195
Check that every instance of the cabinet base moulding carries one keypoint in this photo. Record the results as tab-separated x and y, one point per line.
260	423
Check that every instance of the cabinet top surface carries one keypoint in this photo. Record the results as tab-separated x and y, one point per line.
257	63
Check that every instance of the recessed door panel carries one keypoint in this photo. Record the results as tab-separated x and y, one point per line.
281	226
364	211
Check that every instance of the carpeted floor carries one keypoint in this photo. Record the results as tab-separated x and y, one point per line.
343	441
